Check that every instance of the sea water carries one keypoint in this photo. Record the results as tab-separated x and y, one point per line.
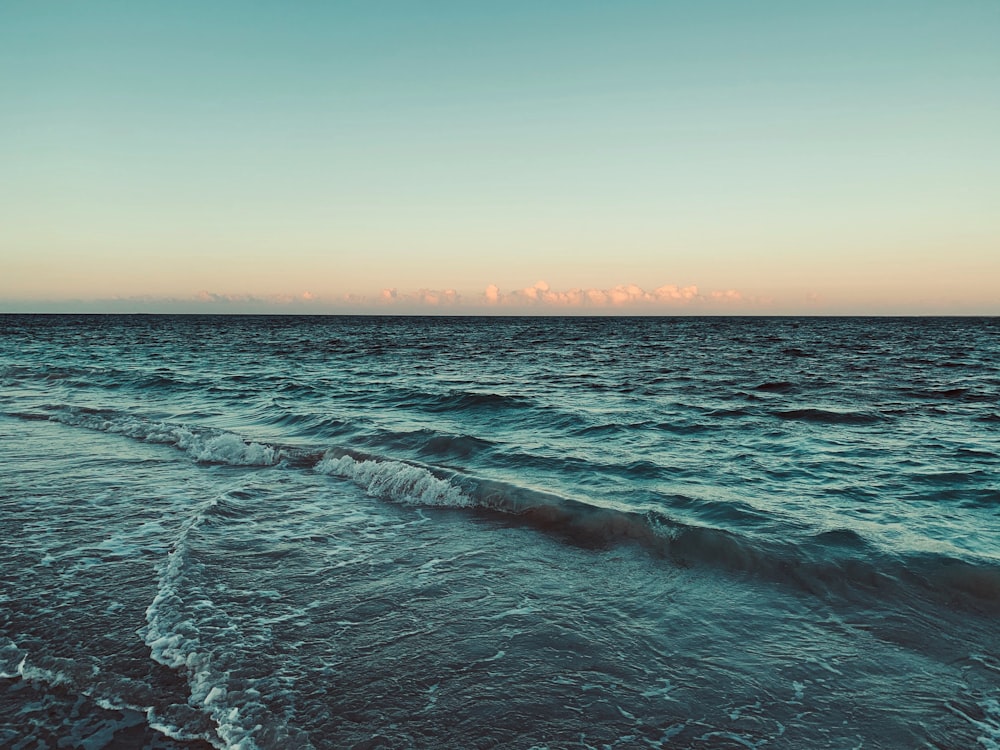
362	532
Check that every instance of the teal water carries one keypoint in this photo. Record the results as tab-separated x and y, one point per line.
476	532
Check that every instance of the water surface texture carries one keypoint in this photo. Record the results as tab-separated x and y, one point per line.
339	532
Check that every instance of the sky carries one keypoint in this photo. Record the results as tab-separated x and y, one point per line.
390	156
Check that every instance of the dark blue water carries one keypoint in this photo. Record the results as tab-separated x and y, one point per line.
337	532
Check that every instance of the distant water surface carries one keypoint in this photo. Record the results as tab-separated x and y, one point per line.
355	532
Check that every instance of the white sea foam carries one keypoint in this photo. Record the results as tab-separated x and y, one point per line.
397	481
31	673
989	725
10	657
174	639
205	446
14	664
168	729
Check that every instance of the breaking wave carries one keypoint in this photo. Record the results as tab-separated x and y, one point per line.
202	444
394	480
836	562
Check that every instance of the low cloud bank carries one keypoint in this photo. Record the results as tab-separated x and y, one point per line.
253	299
538	298
542	295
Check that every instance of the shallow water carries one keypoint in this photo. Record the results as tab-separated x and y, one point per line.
476	532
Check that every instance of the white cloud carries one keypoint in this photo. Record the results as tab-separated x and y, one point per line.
622	295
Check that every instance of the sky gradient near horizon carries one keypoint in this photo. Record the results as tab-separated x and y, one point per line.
634	157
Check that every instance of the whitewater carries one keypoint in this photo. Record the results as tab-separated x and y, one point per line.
432	532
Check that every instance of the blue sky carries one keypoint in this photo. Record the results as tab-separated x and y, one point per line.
401	156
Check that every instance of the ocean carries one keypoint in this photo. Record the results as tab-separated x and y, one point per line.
472	532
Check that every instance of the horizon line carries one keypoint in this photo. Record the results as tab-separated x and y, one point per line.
237	314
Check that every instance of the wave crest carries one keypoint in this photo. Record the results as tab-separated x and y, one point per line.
395	480
203	445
